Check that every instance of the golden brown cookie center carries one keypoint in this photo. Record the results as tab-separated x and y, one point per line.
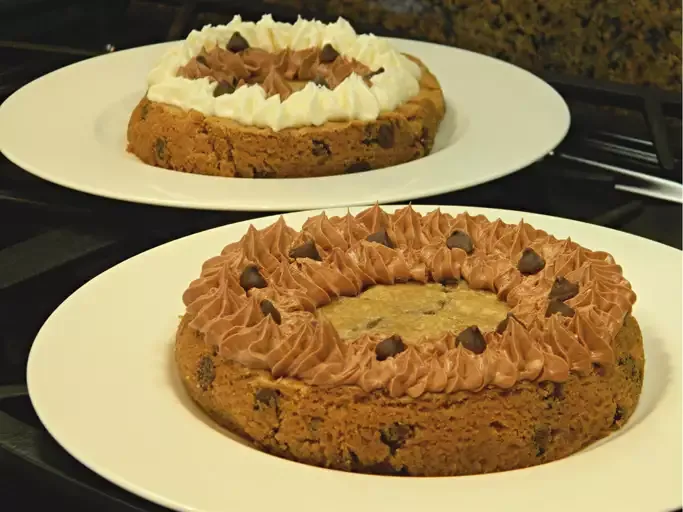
415	311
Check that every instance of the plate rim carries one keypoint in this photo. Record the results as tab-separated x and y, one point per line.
140	193
518	475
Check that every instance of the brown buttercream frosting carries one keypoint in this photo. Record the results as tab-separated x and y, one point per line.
305	345
273	70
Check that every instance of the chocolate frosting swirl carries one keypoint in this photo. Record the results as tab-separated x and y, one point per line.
272	70
306	346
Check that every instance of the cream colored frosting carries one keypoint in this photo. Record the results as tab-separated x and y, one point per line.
313	105
306	346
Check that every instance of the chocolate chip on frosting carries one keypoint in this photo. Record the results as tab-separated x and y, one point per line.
381	237
530	262
222	88
500	328
379	71
557	306
268	308
328	54
389	347
252	278
320	80
563	289
306	250
385	136
460	240
237	43
472	339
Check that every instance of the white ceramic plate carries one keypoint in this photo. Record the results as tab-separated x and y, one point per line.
69	127
102	379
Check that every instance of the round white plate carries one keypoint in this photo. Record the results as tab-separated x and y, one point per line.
69	127
102	379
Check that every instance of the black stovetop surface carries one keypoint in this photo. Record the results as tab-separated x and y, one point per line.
53	240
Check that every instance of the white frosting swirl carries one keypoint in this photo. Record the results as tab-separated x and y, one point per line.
313	105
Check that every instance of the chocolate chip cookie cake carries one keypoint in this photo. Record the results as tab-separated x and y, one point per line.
279	100
403	344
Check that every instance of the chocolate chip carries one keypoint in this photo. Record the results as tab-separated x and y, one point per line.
306	250
472	339
541	439
202	60
563	289
160	148
385	136
389	347
263	173
373	323
222	88
267	308
358	167
379	71
252	278
530	262
319	80
599	369
450	282
500	328
381	237
320	148
206	372
460	240
266	398
395	436
237	43
619	414
556	306
144	111
328	54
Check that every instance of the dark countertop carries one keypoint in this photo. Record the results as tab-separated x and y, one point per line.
636	42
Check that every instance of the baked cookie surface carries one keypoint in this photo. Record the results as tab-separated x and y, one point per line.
412	345
275	112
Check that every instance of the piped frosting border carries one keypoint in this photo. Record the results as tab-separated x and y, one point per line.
313	105
304	345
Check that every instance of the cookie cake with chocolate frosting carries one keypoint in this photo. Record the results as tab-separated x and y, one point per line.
408	344
278	100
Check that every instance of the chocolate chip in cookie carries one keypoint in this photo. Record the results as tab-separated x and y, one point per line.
460	240
320	148
206	372
472	339
542	437
237	43
381	237
557	306
563	289
395	436
306	250
390	347
385	136
530	262
357	167
252	278
268	308
328	54
222	88
160	148
266	398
